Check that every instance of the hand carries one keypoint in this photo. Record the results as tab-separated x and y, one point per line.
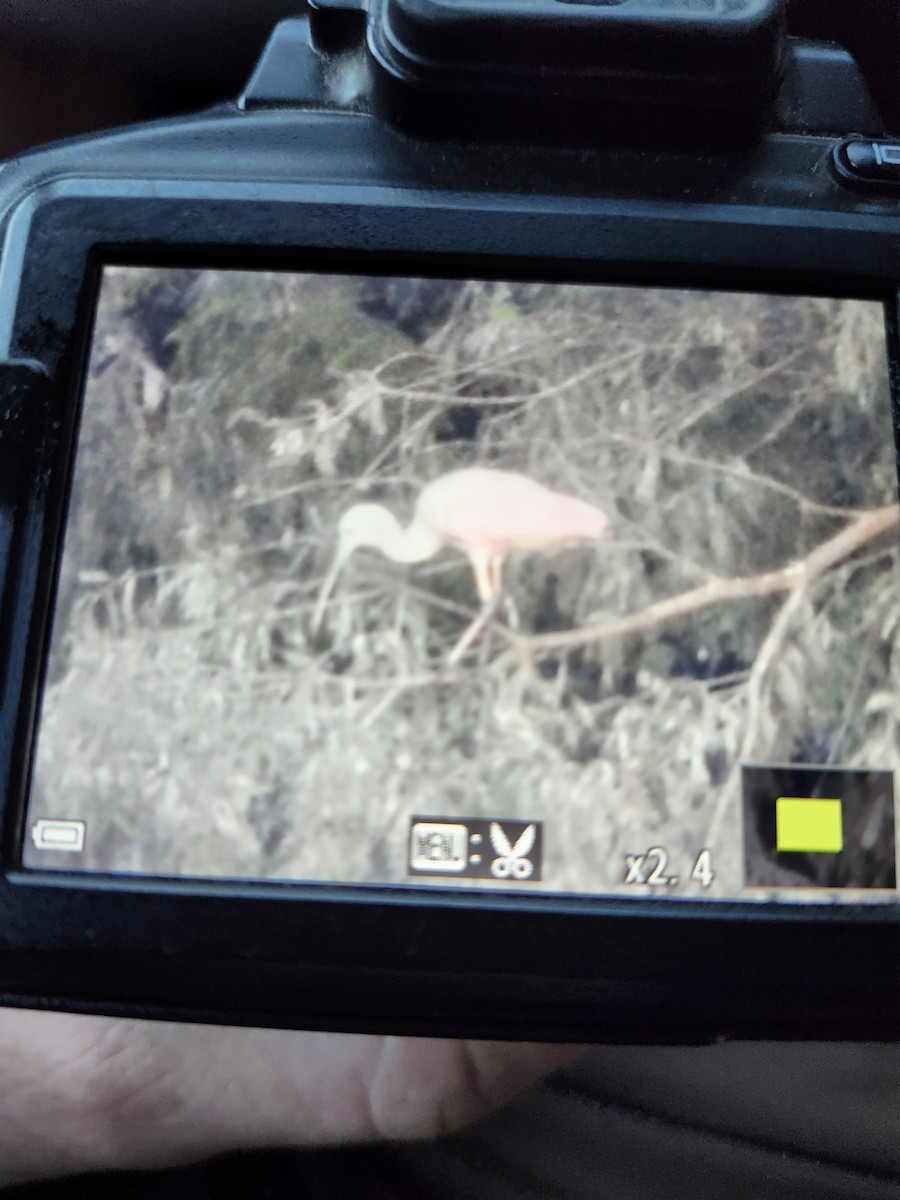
90	1093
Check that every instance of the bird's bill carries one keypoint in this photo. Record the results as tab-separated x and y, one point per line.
328	587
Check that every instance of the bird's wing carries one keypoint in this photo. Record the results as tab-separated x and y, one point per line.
500	511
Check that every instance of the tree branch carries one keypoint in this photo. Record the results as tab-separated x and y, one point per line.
787	579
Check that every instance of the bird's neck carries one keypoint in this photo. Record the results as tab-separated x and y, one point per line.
414	544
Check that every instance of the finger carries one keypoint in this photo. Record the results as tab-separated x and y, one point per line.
428	1087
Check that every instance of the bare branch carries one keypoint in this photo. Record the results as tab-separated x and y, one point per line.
787	579
768	652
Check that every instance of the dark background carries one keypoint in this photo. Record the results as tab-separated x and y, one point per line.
68	66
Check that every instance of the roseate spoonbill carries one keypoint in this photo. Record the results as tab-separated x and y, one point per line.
483	512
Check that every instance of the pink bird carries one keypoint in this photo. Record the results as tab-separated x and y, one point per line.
486	514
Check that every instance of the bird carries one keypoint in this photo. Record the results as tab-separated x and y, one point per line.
485	513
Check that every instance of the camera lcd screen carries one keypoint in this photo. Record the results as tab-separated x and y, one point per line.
517	586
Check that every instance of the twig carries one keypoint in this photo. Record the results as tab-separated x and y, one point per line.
721	396
683	458
548	391
767	653
424	680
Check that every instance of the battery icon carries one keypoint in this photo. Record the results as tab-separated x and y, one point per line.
59	835
804	825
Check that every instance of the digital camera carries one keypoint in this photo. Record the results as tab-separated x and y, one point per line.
449	536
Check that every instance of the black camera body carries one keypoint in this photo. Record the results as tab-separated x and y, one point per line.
689	148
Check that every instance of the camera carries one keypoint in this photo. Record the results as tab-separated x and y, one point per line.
448	535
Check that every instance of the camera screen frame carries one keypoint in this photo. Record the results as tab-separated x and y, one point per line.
204	752
358	957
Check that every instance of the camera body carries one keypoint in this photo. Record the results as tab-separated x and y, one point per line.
647	148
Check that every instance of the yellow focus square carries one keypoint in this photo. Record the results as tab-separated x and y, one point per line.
812	826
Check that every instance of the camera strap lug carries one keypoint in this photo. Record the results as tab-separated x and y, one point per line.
311	66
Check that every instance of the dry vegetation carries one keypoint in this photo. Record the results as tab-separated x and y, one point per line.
197	722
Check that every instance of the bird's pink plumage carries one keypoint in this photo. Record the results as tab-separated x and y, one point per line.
499	511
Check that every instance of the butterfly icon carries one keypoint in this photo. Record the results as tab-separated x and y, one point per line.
512	861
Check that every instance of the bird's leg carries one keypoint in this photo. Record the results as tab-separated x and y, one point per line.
495	574
481	565
509	605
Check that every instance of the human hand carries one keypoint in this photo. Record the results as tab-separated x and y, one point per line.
91	1093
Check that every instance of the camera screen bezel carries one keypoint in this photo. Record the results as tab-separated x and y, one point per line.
383	958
